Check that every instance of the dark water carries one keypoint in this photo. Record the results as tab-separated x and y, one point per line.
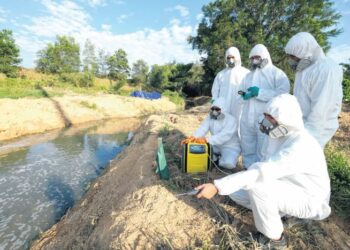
40	182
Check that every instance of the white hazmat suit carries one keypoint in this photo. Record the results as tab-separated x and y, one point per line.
318	87
291	180
224	136
271	82
227	81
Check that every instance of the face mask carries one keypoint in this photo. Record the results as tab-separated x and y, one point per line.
292	63
274	131
258	63
230	62
299	65
216	115
303	64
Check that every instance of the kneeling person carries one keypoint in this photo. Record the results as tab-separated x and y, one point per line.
224	136
292	178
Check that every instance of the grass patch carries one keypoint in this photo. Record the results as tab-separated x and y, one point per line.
339	173
88	105
175	98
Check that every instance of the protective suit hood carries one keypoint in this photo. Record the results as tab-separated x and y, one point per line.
261	50
286	110
304	45
233	51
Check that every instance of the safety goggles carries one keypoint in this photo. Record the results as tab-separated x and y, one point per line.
215	109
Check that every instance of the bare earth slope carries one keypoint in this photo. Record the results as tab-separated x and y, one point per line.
128	207
29	116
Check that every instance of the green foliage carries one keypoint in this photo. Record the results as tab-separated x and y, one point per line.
182	78
139	72
339	173
61	57
159	76
88	105
89	58
102	63
85	79
346	82
174	97
117	66
116	87
9	54
244	23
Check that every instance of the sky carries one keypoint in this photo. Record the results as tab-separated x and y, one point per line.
154	30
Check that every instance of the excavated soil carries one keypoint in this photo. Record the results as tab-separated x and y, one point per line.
129	207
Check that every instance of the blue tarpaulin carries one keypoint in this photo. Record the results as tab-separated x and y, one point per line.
147	95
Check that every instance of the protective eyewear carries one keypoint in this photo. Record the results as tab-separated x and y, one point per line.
215	109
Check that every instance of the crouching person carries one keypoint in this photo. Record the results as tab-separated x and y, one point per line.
224	136
291	180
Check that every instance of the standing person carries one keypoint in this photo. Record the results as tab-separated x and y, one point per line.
291	180
317	86
264	82
227	81
224	137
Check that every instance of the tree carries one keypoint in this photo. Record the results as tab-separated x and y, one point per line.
159	76
244	23
193	86
9	54
139	72
61	57
102	63
89	58
118	68
346	81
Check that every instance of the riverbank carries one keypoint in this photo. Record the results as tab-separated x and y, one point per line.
130	208
30	116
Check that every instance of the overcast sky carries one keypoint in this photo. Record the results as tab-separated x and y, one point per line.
155	30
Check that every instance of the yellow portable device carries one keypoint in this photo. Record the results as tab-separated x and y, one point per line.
196	157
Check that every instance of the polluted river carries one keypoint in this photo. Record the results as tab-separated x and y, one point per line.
44	175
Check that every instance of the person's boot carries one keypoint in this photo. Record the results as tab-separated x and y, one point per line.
266	243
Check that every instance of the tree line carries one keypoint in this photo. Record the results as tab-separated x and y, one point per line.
225	23
63	57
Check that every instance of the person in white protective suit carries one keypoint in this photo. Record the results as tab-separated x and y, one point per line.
227	81
224	136
264	82
317	86
292	179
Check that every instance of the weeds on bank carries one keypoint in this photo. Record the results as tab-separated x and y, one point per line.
88	105
339	173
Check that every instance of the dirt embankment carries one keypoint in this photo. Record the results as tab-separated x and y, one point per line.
128	207
29	116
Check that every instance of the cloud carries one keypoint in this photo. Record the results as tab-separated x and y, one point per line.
184	12
63	19
66	18
199	17
340	54
3	15
121	18
106	27
94	3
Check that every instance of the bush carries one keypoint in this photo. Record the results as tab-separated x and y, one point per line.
174	97
339	173
85	79
117	86
346	90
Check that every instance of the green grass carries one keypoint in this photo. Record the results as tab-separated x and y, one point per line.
88	105
339	173
175	98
